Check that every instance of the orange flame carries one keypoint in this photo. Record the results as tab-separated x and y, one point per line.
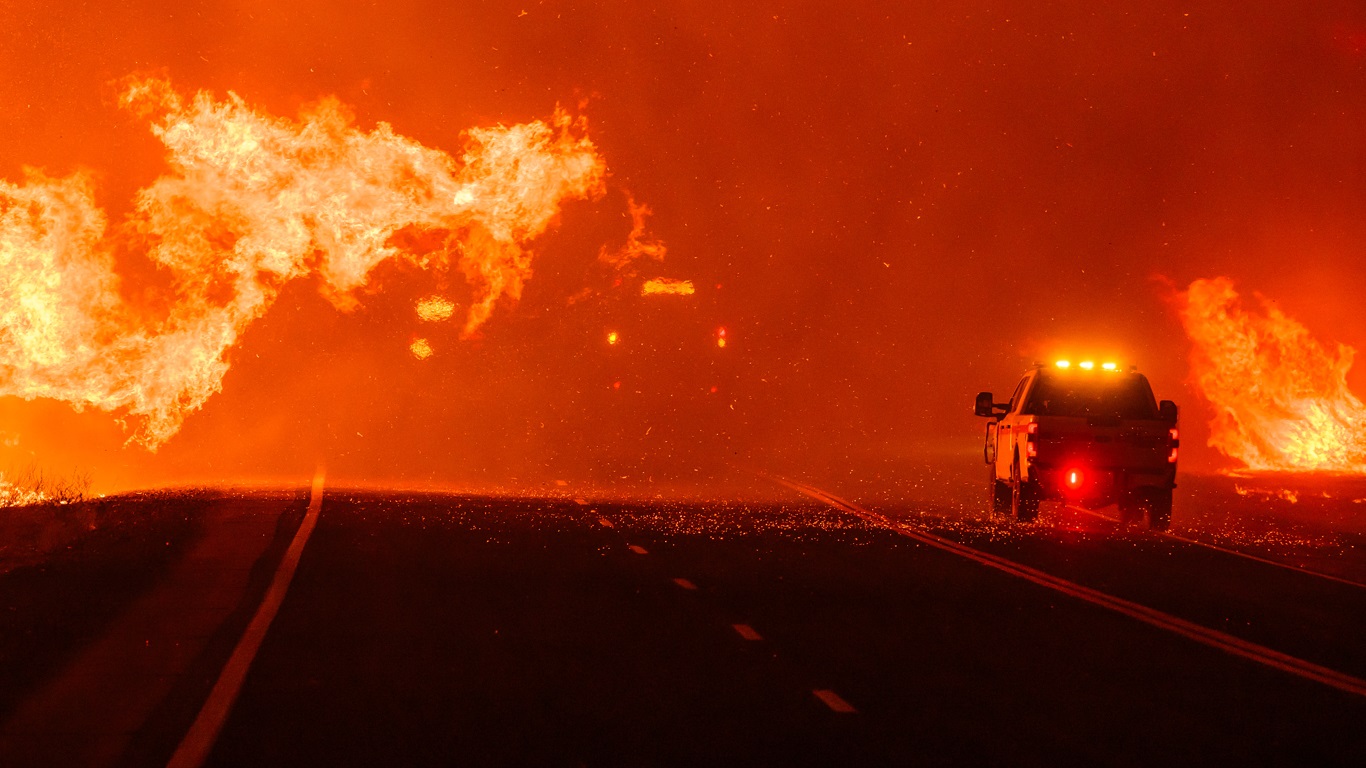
637	246
421	349
1280	398
253	201
434	309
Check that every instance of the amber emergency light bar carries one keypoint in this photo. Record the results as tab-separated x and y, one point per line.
1087	365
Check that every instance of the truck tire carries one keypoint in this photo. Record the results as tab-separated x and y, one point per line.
1157	505
1024	496
1130	507
998	494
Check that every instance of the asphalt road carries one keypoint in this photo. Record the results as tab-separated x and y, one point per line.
447	630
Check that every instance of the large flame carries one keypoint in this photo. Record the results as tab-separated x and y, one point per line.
1280	398
252	201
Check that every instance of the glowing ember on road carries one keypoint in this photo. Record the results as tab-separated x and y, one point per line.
434	309
1280	398
663	286
251	202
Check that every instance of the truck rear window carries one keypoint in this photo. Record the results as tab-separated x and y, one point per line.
1125	396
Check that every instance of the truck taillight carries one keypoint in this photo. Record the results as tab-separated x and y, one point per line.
1031	449
1031	431
1032	428
1074	479
1174	433
1171	457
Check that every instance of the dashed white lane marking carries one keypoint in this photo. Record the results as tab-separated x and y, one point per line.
605	523
1234	552
684	583
639	550
194	748
747	632
833	700
1174	624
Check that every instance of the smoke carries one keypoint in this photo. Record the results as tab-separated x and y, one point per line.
250	202
1280	398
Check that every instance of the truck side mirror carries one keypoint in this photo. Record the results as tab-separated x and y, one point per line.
984	405
1167	410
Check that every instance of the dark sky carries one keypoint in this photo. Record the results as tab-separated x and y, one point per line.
889	206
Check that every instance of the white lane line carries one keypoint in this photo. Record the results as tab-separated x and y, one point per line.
746	631
1234	552
1188	629
684	583
833	701
639	550
194	748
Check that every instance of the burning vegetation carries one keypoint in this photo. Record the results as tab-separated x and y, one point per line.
1280	398
29	485
250	202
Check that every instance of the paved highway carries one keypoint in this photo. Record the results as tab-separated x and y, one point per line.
447	630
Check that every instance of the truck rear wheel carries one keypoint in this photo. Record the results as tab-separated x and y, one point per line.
1130	507
1157	507
998	494
1024	496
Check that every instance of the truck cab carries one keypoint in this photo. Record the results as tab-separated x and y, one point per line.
1087	435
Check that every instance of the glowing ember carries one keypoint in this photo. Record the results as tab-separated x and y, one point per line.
253	201
1281	400
663	286
434	309
420	349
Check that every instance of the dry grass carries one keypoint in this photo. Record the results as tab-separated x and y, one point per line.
31	485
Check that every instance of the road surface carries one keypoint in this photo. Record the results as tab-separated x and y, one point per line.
431	629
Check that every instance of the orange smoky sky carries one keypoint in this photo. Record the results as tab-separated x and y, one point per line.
887	206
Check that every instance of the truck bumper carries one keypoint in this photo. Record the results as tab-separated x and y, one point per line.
1099	486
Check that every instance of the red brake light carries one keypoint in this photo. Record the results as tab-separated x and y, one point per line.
1171	457
1031	449
1174	433
1032	428
1074	478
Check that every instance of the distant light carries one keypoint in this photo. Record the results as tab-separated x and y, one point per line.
1088	365
612	337
1064	363
1109	366
721	337
420	349
1074	479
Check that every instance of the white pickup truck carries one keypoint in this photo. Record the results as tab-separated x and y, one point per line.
1085	434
